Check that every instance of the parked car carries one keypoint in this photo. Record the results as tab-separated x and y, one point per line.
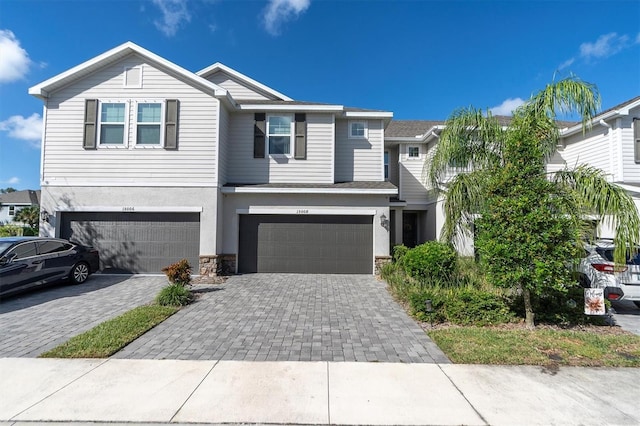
620	282
27	262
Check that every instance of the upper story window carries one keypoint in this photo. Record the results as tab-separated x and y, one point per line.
12	210
386	165
112	123
358	130
279	134
414	152
148	124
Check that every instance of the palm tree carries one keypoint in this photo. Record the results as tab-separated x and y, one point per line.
29	215
493	179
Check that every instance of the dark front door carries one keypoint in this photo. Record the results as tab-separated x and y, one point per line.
410	229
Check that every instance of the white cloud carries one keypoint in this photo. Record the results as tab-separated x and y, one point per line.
13	180
638	39
174	14
15	60
566	64
27	129
278	12
605	46
507	107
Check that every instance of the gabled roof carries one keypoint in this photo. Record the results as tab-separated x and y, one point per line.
43	89
619	110
27	196
218	67
410	128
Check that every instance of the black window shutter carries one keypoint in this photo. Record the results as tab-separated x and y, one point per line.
171	124
258	135
301	137
90	118
636	139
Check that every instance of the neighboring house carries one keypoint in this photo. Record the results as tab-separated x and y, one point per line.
612	144
152	163
12	202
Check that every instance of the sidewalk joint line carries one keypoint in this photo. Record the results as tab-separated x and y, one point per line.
463	395
193	391
328	397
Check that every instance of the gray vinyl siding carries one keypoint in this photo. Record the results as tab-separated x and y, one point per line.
236	88
359	159
412	189
394	171
224	141
594	149
317	168
631	169
192	164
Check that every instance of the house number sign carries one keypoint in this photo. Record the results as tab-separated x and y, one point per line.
128	209
302	211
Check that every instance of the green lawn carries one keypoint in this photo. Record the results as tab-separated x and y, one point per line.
109	337
484	345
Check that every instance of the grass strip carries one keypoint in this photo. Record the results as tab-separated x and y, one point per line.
481	345
109	337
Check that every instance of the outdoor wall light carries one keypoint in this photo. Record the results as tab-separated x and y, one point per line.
384	222
44	215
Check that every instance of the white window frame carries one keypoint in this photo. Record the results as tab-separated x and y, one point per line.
135	125
126	84
291	135
365	126
413	157
12	210
125	133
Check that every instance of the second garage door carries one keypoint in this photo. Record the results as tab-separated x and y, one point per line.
322	244
136	242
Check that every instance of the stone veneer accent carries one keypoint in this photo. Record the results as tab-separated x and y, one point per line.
380	262
217	264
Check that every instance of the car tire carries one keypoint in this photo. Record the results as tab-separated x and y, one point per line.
635	302
79	273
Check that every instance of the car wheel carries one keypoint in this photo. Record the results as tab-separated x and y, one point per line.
635	302
79	273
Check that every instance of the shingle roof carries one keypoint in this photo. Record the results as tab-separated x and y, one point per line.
409	128
26	196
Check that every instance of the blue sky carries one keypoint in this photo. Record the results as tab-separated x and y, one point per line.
418	59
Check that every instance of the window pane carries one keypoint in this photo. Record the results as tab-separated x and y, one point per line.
148	135
279	144
112	113
414	151
149	113
25	250
357	129
112	133
47	247
279	125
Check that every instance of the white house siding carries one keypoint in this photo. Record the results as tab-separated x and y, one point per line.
317	168
57	199
631	170
234	202
412	188
359	159
593	149
65	162
236	88
223	144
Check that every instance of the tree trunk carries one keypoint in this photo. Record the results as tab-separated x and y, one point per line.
528	310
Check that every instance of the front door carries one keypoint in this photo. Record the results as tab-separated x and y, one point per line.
410	229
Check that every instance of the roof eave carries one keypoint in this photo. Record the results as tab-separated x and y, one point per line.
221	67
568	131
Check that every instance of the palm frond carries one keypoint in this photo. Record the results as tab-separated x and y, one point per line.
463	199
608	201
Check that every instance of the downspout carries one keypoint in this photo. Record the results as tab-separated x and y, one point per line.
609	132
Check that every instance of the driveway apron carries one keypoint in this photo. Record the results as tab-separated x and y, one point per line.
290	317
33	323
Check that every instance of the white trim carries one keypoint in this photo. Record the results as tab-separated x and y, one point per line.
134	127
306	211
337	191
130	182
124	77
211	69
333	147
43	89
289	108
129	209
368	114
411	157
125	124
365	130
43	140
596	120
292	135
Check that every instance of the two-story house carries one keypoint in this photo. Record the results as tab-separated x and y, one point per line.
612	145
12	202
150	163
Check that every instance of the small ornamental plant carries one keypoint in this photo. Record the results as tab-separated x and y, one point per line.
179	273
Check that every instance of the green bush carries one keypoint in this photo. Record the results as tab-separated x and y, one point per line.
430	260
174	295
399	252
179	272
472	306
10	231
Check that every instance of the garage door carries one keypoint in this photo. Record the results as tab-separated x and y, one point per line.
136	242
306	244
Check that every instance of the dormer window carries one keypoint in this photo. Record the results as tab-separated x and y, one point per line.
357	130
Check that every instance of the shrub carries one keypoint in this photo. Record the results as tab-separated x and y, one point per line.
432	259
174	295
179	272
10	231
399	252
469	305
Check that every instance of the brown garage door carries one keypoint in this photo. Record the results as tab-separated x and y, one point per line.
306	244
136	242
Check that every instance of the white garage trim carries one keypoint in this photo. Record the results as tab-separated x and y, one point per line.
303	211
130	209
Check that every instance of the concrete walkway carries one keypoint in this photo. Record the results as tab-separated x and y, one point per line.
221	392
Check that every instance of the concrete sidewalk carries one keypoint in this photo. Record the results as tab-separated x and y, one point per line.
171	391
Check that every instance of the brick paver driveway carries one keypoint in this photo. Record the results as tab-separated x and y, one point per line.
290	317
33	323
